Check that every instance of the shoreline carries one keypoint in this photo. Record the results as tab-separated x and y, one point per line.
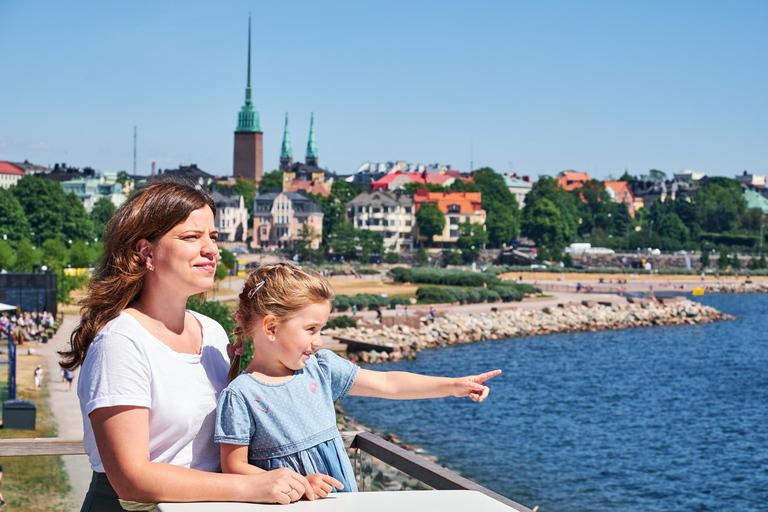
401	341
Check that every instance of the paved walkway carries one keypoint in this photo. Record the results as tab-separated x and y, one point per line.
66	409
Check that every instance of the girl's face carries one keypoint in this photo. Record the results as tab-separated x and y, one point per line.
185	258
299	337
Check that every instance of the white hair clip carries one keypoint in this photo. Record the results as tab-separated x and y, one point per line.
255	289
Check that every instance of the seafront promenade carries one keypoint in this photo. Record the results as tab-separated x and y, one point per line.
66	409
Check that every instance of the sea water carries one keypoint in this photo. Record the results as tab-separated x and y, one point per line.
661	418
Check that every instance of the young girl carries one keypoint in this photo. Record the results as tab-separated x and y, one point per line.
279	412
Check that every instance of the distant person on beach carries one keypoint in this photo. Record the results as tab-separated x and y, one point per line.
279	412
152	371
69	376
39	377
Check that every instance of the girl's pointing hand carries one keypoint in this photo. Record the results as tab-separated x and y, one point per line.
474	386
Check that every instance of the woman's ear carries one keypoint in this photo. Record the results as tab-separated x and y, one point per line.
144	248
269	326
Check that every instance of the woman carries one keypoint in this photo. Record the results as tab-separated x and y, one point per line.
151	370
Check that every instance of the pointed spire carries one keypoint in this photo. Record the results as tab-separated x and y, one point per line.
248	117
312	144
286	151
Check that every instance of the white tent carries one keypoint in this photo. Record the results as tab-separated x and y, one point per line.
6	307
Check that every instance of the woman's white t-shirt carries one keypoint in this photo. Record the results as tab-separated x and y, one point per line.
127	366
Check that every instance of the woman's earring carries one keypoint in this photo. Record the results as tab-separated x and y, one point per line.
151	267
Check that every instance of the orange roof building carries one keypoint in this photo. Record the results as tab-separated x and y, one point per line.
621	192
571	180
315	186
458	207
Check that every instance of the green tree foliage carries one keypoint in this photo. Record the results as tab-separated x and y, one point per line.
7	255
26	256
333	214
752	220
248	189
221	272
430	220
55	254
502	210
45	205
102	211
13	222
723	261
704	259
77	223
226	258
345	192
80	254
655	174
545	226
472	238
307	237
271	181
720	204
352	243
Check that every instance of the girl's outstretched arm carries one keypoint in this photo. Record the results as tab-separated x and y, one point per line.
408	386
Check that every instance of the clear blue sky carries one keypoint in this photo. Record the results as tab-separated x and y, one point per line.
595	86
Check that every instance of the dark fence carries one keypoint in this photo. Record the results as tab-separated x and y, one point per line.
30	291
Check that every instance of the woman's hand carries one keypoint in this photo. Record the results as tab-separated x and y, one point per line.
474	386
282	486
323	484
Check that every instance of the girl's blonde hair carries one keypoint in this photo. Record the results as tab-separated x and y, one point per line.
278	289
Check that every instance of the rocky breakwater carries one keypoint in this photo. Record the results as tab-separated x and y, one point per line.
400	341
738	287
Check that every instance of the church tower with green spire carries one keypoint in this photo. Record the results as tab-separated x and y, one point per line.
311	144
249	150
286	153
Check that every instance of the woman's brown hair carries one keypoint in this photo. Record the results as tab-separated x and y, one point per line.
278	289
118	279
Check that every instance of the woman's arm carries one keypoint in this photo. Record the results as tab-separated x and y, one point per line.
122	436
407	386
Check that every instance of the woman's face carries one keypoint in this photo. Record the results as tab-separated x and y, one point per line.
185	258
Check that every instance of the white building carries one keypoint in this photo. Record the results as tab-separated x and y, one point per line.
10	174
689	175
389	213
90	190
519	187
752	180
231	219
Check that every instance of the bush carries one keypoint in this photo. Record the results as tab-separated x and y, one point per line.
341	322
433	295
441	276
341	303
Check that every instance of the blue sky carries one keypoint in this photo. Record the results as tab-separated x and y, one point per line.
536	87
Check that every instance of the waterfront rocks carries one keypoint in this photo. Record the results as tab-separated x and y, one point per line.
455	328
746	286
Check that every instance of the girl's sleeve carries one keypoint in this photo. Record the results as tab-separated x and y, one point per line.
341	372
233	420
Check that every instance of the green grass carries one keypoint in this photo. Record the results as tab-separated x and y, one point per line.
34	484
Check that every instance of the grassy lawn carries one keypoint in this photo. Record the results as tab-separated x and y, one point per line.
356	286
34	484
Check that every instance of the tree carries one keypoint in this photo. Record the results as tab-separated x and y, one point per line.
54	254
720	204
77	223
546	227
7	255
102	211
567	204
333	213
226	258
44	203
627	177
655	174
271	181
345	192
307	237
430	220
704	260
472	238
13	222
80	254
26	256
502	210
248	189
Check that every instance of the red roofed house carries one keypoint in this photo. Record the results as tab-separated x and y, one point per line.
458	207
571	180
621	192
9	174
316	187
397	180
